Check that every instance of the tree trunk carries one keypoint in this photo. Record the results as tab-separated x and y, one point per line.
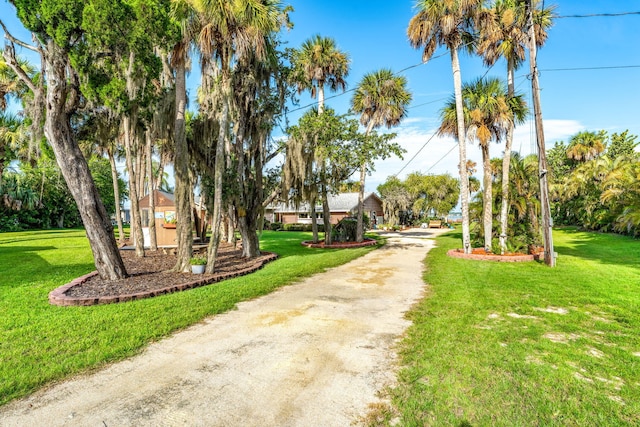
360	223
462	146
231	228
487	198
314	219
136	221
506	166
184	235
326	213
116	196
249	195
247	227
139	164
219	166
153	241
74	167
363	175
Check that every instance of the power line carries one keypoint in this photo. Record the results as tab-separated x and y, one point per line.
427	103
595	15
442	158
415	155
395	73
592	68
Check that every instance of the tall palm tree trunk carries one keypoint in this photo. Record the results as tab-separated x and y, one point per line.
363	175
153	241
219	166
506	165
136	221
326	214
360	219
462	146
487	197
183	206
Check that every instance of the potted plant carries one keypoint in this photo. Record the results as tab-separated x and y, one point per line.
198	265
170	223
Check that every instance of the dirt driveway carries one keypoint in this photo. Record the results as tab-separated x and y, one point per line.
314	353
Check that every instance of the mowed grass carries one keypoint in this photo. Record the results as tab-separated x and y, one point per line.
521	344
41	343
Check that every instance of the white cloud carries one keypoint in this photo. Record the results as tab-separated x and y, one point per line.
440	155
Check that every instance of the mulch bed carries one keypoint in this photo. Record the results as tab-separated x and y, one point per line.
151	276
481	255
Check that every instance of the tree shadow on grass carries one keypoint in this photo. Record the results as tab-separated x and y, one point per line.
605	248
24	264
39	235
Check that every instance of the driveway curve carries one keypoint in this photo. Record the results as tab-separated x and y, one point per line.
314	353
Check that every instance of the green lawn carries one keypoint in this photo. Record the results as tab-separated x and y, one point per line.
40	343
501	344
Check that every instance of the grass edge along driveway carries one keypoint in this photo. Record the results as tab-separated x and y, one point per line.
40	343
520	344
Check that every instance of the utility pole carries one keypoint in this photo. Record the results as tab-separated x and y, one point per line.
549	257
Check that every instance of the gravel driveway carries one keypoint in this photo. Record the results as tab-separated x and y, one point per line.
315	353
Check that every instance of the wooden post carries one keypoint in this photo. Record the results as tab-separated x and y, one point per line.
549	257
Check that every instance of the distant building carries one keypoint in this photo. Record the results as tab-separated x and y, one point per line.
340	205
165	213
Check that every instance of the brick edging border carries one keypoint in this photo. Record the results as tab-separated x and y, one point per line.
366	242
454	253
58	296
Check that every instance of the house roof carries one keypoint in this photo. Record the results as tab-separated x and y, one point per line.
342	202
161	199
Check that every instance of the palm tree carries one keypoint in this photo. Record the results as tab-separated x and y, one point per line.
448	23
524	204
504	34
230	31
320	63
10	84
585	146
488	113
622	194
186	18
316	65
381	98
11	135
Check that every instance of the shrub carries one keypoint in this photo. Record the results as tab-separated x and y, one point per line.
302	227
345	230
293	227
275	226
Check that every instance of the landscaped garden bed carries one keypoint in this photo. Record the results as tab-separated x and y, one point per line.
480	254
151	276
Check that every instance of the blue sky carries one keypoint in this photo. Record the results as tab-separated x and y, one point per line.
373	33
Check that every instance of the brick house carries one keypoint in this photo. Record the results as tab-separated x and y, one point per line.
340	206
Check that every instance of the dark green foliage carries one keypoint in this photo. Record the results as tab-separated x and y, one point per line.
38	197
622	144
345	230
597	189
301	227
274	226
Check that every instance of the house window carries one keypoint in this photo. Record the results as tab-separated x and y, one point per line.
145	217
307	216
